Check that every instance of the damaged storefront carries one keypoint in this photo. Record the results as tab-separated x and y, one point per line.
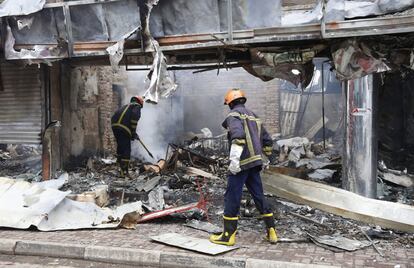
331	81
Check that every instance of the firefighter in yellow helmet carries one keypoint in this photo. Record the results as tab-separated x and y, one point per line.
248	139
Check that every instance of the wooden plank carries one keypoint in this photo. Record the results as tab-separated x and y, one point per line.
192	171
192	243
340	202
402	180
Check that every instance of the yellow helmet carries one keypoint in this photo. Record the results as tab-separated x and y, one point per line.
233	94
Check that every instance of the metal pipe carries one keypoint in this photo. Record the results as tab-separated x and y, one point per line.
230	19
360	153
323	105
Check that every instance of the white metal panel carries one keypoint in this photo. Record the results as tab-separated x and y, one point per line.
20	104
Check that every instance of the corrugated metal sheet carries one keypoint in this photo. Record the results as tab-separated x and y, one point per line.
24	204
20	104
290	104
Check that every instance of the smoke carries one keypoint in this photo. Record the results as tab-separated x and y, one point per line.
159	125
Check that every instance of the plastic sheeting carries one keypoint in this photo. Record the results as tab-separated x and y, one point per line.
300	17
20	7
161	84
109	21
174	17
339	10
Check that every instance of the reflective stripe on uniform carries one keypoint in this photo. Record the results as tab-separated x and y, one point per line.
239	141
122	115
267	215
231	218
267	149
122	126
250	160
249	141
248	138
244	116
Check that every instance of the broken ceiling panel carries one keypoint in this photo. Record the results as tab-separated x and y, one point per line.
301	17
38	52
353	59
106	22
92	16
121	18
20	7
293	66
41	30
182	17
249	14
339	10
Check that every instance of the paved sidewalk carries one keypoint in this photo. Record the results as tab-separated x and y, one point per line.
105	243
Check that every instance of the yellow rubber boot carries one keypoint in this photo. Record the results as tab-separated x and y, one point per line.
228	236
269	221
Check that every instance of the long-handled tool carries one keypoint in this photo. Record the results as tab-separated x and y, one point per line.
145	147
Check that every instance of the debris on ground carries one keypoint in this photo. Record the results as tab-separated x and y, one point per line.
192	243
203	226
338	243
189	185
24	204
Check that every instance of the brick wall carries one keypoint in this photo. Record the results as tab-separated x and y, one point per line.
206	92
88	104
105	108
90	100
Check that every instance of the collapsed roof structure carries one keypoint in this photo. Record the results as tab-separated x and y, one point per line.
260	37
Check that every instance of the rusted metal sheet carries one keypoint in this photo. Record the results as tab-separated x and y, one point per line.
20	105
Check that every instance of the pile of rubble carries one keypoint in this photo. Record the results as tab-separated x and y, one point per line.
21	161
298	157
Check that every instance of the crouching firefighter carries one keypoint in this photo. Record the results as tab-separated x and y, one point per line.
248	139
124	125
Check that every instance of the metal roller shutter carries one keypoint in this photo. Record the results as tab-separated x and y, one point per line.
20	104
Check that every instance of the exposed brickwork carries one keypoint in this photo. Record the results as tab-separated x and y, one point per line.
106	108
88	106
263	97
92	102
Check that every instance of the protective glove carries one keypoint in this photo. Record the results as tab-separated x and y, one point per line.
135	136
267	150
235	154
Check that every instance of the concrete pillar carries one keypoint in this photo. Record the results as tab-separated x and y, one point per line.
360	150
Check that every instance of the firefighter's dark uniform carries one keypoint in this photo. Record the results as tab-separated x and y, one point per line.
245	129
124	124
